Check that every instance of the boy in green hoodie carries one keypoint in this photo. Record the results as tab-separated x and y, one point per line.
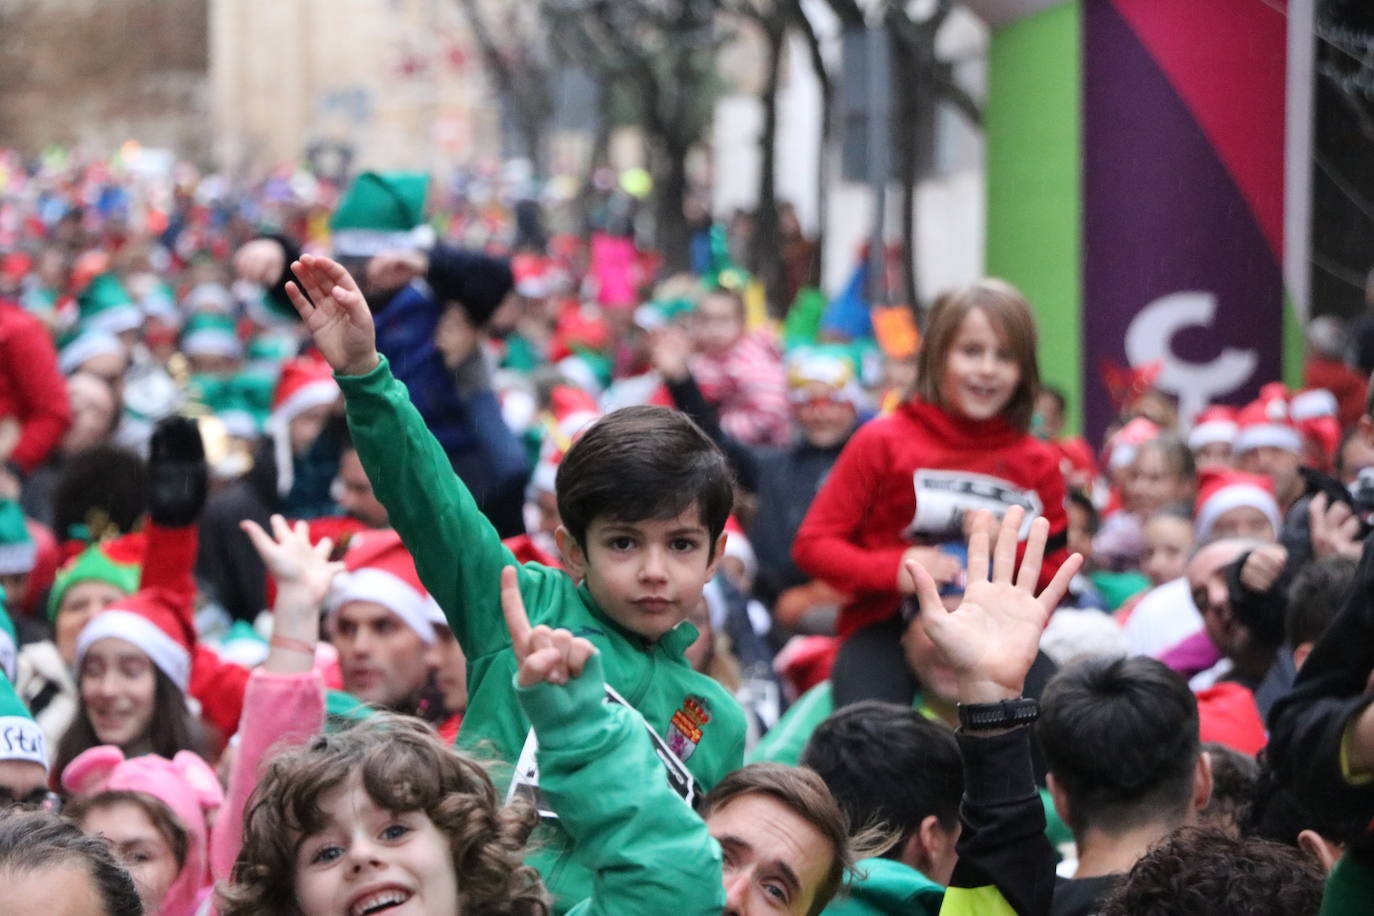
644	495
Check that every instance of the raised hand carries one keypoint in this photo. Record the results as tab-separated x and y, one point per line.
260	261
1335	529
335	313
178	477
542	653
991	639
295	563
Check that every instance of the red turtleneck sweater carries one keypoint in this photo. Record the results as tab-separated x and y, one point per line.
908	478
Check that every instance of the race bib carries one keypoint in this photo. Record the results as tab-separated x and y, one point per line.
944	498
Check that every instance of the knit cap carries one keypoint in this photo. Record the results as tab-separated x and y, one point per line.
9	640
382	211
105	305
148	620
211	334
378	568
18	552
1223	490
1267	421
20	736
185	784
117	562
304	383
1215	424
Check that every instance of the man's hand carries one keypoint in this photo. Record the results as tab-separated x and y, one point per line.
335	313
395	269
1335	529
260	261
293	561
542	653
1263	566
178	477
991	640
942	567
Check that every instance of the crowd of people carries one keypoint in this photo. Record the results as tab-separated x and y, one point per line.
353	564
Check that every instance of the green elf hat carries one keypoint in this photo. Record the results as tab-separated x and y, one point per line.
105	305
20	736
344	710
17	549
211	334
85	343
382	211
117	562
9	641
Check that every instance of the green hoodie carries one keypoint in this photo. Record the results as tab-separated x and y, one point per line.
459	557
887	888
643	845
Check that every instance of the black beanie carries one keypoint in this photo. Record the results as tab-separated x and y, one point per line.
476	281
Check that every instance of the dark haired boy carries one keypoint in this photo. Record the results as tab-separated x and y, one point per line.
643	495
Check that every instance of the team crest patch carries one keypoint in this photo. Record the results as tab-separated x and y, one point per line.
684	732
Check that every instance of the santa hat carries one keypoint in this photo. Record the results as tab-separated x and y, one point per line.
82	345
105	305
304	383
378	568
737	545
1311	404
1215	424
1126	441
20	736
211	334
185	784
1222	491
116	562
1267	421
148	620
533	275
18	552
382	211
9	640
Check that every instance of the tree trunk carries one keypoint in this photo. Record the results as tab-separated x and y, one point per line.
813	48
672	234
767	255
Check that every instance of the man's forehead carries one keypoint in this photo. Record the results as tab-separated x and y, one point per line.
773	830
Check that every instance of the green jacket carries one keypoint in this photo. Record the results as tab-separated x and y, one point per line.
459	557
887	888
643	846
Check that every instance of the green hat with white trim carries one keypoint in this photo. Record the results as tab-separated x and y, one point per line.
83	344
9	641
382	211
105	305
20	736
18	552
117	562
211	334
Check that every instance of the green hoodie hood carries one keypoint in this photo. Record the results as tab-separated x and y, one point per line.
887	888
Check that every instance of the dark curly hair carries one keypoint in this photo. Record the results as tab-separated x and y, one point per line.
1203	872
403	767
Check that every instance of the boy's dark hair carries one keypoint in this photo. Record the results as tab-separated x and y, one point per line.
888	766
1083	501
1315	597
34	840
102	492
1234	778
1121	737
1199	872
641	463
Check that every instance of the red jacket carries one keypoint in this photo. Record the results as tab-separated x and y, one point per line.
32	390
908	478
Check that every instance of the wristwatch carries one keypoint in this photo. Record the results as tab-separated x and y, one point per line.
986	717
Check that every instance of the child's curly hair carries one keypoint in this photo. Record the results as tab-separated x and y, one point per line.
402	767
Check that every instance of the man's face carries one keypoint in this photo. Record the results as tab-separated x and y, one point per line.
22	782
1279	465
775	860
923	658
646	575
1207	580
63	889
384	661
353	492
450	669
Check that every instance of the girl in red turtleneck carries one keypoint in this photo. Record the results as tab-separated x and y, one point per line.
912	479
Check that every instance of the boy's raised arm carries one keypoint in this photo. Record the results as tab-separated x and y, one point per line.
457	552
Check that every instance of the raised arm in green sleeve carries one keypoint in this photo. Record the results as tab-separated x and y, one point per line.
647	849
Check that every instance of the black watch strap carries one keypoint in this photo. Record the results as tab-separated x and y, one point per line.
983	717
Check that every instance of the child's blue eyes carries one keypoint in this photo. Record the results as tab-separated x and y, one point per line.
327	854
395	832
330	853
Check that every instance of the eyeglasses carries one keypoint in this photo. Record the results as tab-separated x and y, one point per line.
38	798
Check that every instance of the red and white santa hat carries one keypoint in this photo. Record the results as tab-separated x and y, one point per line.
304	383
1267	421
571	410
1313	403
378	568
737	545
1126	442
149	621
1223	490
1215	424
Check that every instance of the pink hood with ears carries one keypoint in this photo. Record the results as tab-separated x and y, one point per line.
186	784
